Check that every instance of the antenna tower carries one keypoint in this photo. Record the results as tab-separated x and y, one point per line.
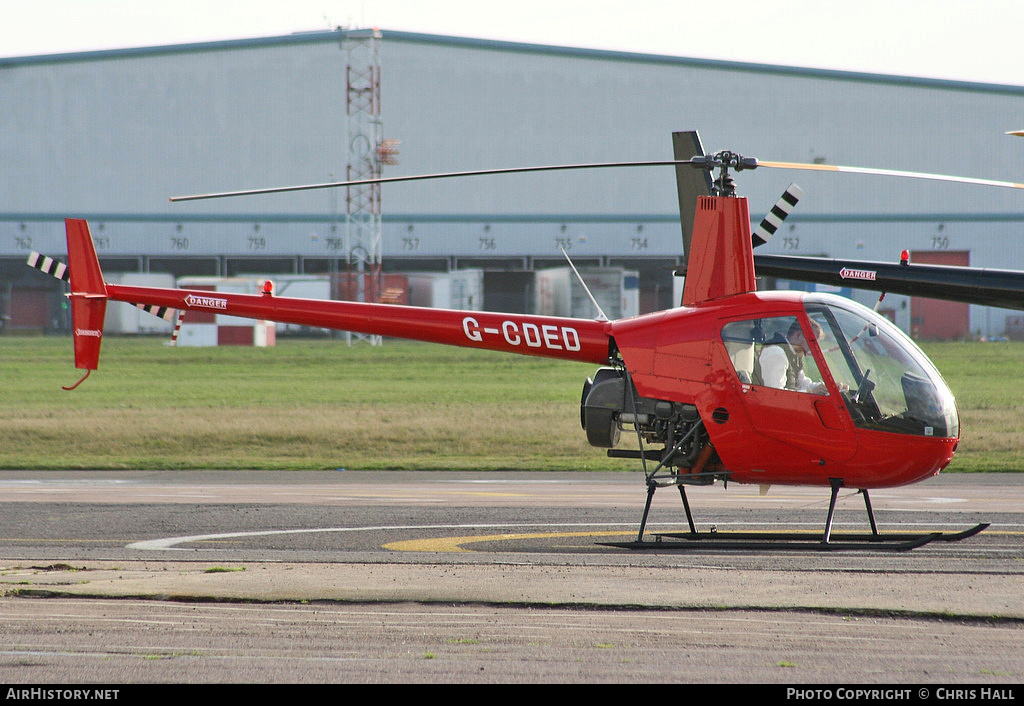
367	153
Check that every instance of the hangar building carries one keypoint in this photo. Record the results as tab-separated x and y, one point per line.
111	135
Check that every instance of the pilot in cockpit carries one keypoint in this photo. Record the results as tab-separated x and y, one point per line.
782	361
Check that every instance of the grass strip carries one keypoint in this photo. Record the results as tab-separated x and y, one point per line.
321	404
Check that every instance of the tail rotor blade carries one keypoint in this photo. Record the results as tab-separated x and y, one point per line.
782	208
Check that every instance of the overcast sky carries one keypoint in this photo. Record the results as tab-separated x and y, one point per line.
968	40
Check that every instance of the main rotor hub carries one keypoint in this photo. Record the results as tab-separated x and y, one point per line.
724	184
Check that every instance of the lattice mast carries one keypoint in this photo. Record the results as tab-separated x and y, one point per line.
367	153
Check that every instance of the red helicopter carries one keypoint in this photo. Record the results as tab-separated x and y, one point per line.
858	404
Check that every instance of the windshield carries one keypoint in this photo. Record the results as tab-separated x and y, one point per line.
887	382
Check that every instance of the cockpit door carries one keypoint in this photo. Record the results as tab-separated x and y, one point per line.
786	390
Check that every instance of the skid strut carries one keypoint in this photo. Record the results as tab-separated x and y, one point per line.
652	485
836	484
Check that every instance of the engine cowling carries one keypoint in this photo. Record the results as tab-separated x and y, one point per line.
610	400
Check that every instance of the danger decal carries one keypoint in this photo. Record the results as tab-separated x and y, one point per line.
850	273
197	302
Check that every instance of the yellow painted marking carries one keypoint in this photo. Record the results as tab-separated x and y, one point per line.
431	491
454	544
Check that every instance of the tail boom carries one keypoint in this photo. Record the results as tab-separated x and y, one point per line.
583	340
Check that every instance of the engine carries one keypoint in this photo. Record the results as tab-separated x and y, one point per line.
610	401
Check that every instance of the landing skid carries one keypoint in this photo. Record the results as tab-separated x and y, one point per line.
788	541
795	541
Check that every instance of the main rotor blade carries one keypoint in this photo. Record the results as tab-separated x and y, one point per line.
888	172
422	177
697	162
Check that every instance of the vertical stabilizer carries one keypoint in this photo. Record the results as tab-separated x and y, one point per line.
88	297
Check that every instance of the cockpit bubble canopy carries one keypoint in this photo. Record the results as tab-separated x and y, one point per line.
886	382
892	384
